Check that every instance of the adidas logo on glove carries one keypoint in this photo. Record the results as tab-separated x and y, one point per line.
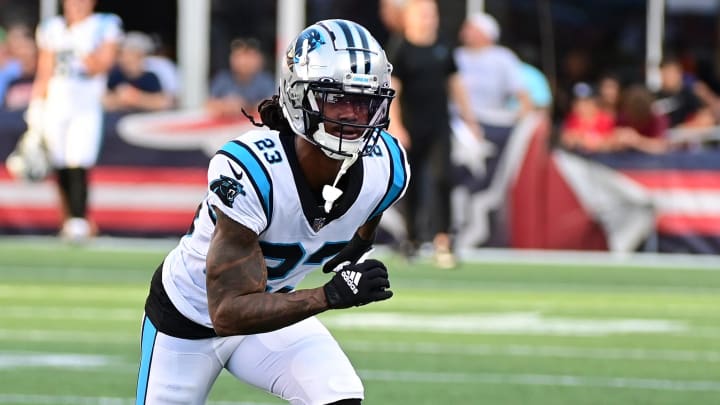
356	284
352	278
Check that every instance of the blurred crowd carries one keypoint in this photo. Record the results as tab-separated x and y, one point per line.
591	114
142	79
478	79
609	115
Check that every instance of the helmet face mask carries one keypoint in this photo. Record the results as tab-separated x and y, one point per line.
336	88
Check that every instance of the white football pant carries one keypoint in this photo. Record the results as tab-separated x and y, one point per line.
301	363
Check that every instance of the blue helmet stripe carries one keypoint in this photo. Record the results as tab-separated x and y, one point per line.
350	44
365	45
258	175
399	176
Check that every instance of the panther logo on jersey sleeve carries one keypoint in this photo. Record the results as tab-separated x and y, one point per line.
228	188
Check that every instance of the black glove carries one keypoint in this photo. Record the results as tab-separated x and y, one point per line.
358	284
351	253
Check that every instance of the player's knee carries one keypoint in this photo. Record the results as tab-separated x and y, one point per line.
351	401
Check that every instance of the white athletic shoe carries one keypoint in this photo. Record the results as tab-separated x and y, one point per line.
76	230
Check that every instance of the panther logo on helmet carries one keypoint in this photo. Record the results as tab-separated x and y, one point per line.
314	40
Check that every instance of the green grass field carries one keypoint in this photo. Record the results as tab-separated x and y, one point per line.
486	333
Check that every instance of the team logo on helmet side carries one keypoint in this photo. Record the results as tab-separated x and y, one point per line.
314	38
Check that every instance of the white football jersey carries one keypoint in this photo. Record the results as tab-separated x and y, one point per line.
256	180
70	85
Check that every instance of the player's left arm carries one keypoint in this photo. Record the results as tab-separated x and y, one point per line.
360	244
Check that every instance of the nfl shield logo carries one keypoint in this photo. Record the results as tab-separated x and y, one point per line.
318	223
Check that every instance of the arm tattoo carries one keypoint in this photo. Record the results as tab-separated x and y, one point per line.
236	281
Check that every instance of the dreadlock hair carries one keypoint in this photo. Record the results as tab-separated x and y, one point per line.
271	115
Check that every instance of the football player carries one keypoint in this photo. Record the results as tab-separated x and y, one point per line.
308	192
77	49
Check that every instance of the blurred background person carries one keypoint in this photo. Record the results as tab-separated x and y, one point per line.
244	85
76	51
131	87
21	46
158	62
534	81
609	89
574	66
587	127
677	98
391	16
10	68
425	77
638	125
491	73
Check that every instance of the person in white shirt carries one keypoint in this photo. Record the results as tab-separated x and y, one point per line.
490	72
76	50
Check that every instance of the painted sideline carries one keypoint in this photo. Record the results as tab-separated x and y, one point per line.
479	255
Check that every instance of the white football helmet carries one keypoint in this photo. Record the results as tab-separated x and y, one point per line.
330	62
29	160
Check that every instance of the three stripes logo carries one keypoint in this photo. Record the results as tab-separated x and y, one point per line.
352	278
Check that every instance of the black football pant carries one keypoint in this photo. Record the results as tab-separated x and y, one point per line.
429	159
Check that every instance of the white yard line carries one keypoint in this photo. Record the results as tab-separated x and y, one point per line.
516	323
673	261
424	348
72	336
15	360
678	261
485	323
425	377
605	353
73	313
540	379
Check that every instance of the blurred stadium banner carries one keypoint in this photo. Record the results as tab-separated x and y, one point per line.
513	189
150	176
622	202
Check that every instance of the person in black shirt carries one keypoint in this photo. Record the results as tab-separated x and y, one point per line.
677	99
131	87
425	77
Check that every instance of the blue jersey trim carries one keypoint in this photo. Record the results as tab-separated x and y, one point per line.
398	174
149	333
257	173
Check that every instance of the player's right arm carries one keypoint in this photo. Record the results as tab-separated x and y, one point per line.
240	195
236	279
